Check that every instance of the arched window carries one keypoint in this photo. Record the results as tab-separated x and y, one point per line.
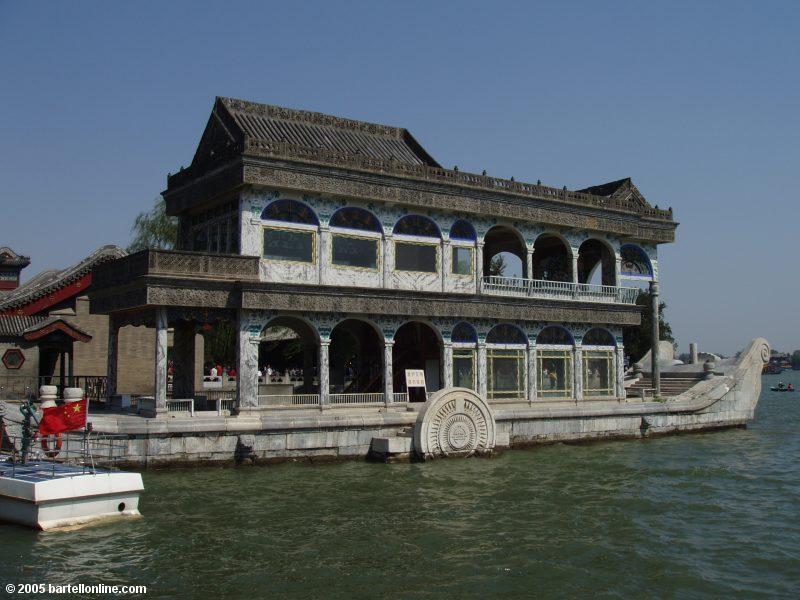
461	254
463	230
354	251
464	333
464	339
506	334
352	217
292	243
416	256
598	364
635	263
554	363
554	336
551	259
417	225
289	211
505	363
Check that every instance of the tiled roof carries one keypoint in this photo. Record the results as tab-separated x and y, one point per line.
51	280
15	325
263	122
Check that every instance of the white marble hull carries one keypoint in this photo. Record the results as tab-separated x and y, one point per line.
69	500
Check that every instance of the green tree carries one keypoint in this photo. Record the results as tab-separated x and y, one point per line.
219	344
497	266
639	339
154	229
796	359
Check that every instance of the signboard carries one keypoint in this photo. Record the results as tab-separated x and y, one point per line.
415	378
415	384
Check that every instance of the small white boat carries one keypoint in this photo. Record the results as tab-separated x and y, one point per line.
48	494
55	482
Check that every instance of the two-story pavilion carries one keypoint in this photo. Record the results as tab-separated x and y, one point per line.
379	260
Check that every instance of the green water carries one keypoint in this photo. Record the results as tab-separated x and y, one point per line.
694	516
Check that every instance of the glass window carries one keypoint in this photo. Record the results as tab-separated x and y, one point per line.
464	368
415	257
506	377
598	373
290	211
464	332
200	239
416	225
354	252
462	230
555	373
462	260
281	244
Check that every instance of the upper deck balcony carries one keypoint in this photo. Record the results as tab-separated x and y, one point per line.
558	290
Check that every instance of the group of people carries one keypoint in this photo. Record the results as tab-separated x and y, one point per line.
269	375
217	371
781	386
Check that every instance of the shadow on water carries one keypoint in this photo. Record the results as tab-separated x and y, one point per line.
697	516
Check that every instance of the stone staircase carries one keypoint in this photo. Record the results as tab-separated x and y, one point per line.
396	447
672	384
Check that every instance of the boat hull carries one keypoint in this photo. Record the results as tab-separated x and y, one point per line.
45	496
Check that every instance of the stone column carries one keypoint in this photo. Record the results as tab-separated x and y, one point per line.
323	254
388	372
483	372
533	376
161	359
446	258
183	347
113	354
618	270
479	268
620	371
577	370
529	264
574	265
693	353
655	333
324	373
247	366
447	365
388	260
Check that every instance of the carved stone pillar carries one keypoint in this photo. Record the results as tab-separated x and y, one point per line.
446	258
388	259
618	271
324	373
483	371
655	333
161	359
620	371
479	268
247	366
447	365
529	264
574	265
388	372
532	373
113	354
577	370
324	254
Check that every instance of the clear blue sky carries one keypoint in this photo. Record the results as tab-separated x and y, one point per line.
697	101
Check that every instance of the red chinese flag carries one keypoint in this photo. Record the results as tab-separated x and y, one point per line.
63	418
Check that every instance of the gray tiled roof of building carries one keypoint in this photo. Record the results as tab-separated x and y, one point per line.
316	130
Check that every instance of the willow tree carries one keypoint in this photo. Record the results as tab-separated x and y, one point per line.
154	229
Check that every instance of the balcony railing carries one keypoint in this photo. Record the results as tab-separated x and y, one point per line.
558	290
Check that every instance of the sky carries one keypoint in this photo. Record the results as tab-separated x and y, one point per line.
697	101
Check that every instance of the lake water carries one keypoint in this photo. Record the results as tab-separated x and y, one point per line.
712	515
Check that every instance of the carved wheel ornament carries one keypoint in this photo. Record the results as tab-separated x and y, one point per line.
454	422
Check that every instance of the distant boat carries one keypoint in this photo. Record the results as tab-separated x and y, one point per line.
775	388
